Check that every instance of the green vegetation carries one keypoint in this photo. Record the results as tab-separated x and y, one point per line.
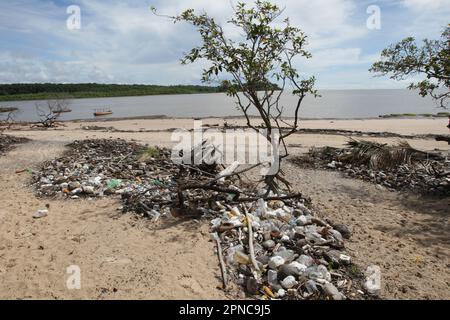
37	91
150	152
426	115
264	53
431	60
410	114
356	271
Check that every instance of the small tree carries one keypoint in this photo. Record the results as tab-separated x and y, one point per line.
406	59
7	118
50	112
265	53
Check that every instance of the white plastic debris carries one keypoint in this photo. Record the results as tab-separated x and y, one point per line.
303	220
235	211
332	164
344	259
155	215
261	208
40	214
373	280
275	262
289	282
96	181
215	223
281	293
228	170
298	266
331	291
88	189
272	277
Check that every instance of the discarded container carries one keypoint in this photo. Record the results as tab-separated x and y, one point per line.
331	291
311	287
113	183
269	292
318	273
40	213
269	244
305	260
241	258
272	277
373	280
275	262
289	282
227	171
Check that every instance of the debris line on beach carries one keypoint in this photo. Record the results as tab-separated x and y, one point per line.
396	167
270	246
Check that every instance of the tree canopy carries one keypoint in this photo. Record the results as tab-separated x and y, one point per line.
407	59
263	54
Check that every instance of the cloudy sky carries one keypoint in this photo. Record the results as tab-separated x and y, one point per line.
123	42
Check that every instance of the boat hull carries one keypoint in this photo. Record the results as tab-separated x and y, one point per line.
97	114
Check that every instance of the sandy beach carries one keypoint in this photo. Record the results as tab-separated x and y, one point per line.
159	131
123	257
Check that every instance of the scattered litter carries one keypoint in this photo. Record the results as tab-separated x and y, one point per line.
373	280
7	142
272	246
40	214
395	167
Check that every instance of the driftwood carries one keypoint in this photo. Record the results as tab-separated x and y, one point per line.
251	199
250	241
443	138
8	120
221	261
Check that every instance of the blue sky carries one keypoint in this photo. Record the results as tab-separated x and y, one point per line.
122	42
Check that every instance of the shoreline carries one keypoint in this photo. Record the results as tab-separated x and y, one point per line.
165	117
407	127
8	98
419	133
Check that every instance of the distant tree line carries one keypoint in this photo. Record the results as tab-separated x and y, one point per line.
22	91
34	91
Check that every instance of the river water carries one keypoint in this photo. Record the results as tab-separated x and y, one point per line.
332	104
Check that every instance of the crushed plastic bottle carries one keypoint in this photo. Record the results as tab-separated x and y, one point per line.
40	214
373	280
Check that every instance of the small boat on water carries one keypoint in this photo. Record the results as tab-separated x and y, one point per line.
62	111
102	112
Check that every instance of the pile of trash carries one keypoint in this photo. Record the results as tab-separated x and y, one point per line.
394	167
287	253
7	142
95	168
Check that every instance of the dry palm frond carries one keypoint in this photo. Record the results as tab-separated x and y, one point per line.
382	156
361	151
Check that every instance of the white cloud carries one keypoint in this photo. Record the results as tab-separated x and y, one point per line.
16	68
122	41
420	5
338	57
117	35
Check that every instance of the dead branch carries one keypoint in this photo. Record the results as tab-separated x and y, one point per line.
221	261
250	241
251	199
8	120
443	138
50	113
